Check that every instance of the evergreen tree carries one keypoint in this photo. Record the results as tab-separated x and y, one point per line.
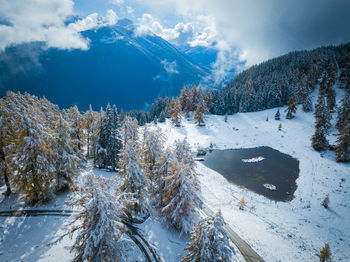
278	115
319	140
307	104
110	142
100	231
209	242
92	121
162	117
343	125
292	108
66	159
175	112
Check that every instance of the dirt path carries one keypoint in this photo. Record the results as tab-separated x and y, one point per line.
247	252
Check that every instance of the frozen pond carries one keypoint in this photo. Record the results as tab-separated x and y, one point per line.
263	170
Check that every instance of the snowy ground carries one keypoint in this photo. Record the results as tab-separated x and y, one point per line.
278	231
28	238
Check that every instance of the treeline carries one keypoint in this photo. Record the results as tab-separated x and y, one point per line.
267	85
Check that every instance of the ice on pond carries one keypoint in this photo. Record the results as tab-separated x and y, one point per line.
253	160
270	187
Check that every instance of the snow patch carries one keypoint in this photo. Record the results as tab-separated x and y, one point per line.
270	187
253	160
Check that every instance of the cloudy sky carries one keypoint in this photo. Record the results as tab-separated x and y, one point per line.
250	30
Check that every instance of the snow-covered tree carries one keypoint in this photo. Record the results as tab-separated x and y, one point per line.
77	129
201	109
180	191
152	150
210	242
343	125
98	225
92	126
110	142
175	112
292	108
135	182
65	157
3	138
31	158
278	115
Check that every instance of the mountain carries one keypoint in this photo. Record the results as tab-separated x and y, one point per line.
119	68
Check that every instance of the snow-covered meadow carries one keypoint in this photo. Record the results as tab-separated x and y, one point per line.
278	231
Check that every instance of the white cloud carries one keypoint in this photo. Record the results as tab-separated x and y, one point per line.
94	21
44	21
180	34
111	17
39	21
170	67
130	10
264	29
116	2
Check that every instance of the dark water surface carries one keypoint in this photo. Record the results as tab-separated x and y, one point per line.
278	169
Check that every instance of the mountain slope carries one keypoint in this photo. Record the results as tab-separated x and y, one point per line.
117	66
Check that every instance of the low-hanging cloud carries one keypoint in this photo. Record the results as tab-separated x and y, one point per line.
264	29
45	21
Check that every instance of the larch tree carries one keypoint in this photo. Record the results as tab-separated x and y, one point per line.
65	157
292	108
151	152
175	112
209	242
180	193
98	225
77	129
201	109
3	138
31	158
135	182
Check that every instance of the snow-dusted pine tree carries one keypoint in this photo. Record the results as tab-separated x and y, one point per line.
343	125
278	115
110	142
135	182
210	242
65	157
98	227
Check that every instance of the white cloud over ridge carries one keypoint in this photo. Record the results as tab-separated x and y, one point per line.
265	29
44	21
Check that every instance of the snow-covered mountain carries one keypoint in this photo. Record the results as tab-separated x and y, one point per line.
117	66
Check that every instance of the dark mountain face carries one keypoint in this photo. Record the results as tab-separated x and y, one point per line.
118	68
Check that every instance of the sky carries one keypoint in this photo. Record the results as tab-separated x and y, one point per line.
251	31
